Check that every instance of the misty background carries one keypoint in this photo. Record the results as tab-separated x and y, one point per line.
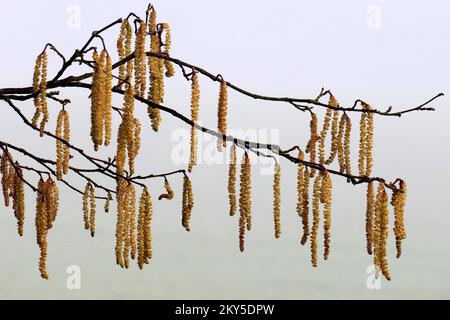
388	53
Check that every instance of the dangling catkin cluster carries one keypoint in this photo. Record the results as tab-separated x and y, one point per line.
398	202
40	90
170	70
232	180
169	195
222	114
109	198
366	142
101	100
311	147
245	201
276	201
140	61
144	234
47	205
346	147
89	208
126	243
187	204
62	150
195	106
381	231
325	199
156	67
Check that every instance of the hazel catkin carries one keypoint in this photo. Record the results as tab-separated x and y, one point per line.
311	147
370	212
187	203
19	199
195	106
144	241
232	180
316	220
326	199
222	114
305	206
62	149
169	195
89	208
140	63
398	201
170	70
276	201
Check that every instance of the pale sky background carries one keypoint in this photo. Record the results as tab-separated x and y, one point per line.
282	48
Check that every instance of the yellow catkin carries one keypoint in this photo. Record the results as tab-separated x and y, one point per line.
170	70
6	170
120	226
326	199
62	150
334	138
19	199
66	148
248	191
195	106
92	210
144	240
140	63
311	147
86	207
276	201
348	130
305	207
366	142
232	180
398	201
108	101
140	230
381	232
147	228
98	99
36	89
169	195
108	203
42	227
43	98
222	114
323	135
362	144
370	211
156	67
340	143
130	245
369	142
316	220
187	203
121	52
300	178
46	211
